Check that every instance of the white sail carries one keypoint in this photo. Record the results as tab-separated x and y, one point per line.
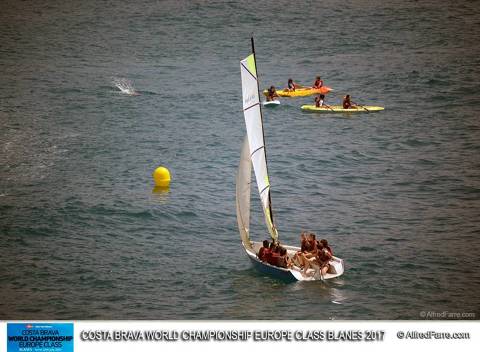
256	142
244	177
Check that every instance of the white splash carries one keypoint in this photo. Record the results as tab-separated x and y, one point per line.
125	86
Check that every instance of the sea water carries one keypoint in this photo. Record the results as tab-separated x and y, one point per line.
396	193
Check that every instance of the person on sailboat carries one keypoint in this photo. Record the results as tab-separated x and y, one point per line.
313	242
268	253
275	255
272	94
284	261
262	252
307	250
323	258
320	100
318	83
324	242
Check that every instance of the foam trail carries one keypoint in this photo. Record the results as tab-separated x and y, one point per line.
125	86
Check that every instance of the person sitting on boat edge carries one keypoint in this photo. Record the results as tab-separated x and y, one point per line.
272	94
308	251
303	248
323	258
347	103
324	242
318	83
262	252
320	101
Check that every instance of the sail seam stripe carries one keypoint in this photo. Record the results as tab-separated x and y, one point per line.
266	187
248	70
251	106
256	150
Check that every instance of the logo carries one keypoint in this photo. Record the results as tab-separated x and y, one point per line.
40	337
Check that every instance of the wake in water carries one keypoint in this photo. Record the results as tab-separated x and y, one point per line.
125	86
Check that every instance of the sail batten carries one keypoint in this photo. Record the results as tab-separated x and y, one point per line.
256	141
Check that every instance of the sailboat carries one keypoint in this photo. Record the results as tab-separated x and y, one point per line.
254	153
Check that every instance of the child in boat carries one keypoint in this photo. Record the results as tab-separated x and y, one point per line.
291	85
308	251
318	83
322	259
303	248
262	253
275	254
324	242
271	94
347	103
283	260
320	100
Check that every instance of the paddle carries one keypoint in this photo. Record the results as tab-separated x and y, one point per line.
328	106
361	106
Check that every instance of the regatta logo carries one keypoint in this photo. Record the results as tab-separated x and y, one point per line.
40	337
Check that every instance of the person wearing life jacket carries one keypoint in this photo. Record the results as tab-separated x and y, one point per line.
318	83
274	257
262	252
272	94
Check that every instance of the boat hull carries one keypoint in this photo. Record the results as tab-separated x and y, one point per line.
271	104
300	92
340	109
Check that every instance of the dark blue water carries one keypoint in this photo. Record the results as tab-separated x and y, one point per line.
397	193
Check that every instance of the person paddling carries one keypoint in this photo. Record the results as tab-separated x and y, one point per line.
320	101
291	85
347	103
318	83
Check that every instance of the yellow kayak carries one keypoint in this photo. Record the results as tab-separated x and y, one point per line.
339	108
301	92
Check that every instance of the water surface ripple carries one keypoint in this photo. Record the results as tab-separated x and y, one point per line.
397	193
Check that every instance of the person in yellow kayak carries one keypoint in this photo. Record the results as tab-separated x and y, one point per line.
291	85
318	83
271	94
320	101
347	103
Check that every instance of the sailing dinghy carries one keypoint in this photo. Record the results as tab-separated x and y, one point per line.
253	153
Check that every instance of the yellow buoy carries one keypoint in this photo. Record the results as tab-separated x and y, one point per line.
161	176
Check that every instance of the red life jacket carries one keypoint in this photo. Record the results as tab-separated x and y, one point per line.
267	256
273	259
